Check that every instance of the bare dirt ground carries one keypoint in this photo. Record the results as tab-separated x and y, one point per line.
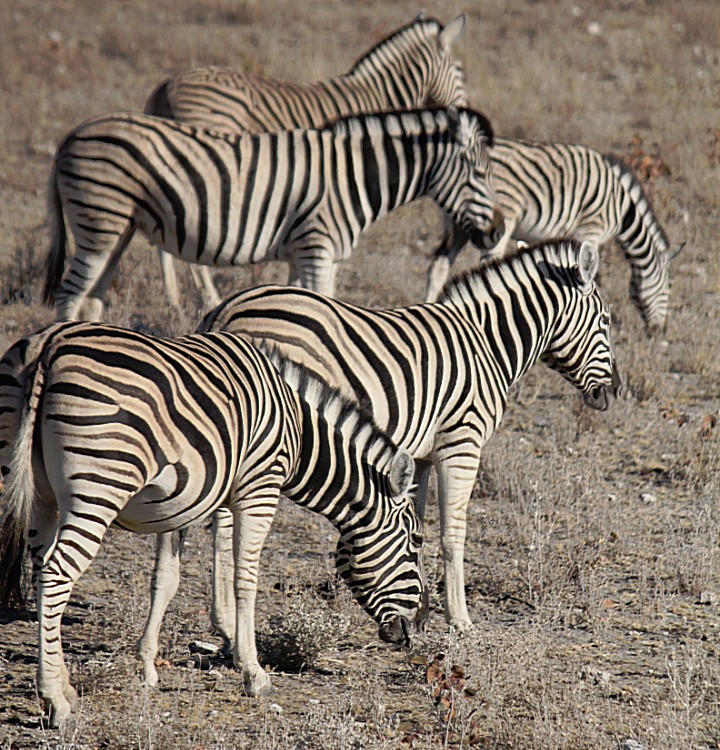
593	565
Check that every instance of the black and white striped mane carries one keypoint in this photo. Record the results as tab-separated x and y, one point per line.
466	284
368	57
327	400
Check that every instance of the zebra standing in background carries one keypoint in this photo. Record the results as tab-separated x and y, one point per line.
435	377
152	435
413	67
303	196
551	190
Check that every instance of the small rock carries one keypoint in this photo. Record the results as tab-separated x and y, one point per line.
630	745
275	708
203	647
707	597
648	498
594	28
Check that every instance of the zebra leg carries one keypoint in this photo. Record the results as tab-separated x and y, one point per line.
80	296
166	577
251	523
316	269
169	277
455	484
204	281
62	564
422	479
223	600
453	241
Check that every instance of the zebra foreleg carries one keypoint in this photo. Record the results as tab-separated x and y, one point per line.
251	523
314	268
166	577
453	241
224	606
455	486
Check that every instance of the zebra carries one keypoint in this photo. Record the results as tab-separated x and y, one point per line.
303	196
153	435
548	190
412	67
435	377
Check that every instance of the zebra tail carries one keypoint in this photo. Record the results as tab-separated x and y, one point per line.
12	548
158	103
19	495
55	264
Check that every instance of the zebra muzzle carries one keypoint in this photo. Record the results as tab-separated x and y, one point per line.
396	631
598	398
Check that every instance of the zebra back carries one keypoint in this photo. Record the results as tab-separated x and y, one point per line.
411	67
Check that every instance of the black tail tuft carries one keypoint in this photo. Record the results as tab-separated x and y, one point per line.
55	263
12	551
158	103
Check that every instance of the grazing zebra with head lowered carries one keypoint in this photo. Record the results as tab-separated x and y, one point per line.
436	376
551	190
303	196
413	67
152	435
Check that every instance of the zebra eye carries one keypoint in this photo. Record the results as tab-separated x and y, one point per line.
417	538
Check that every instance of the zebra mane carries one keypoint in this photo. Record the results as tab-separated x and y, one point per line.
324	398
367	57
464	285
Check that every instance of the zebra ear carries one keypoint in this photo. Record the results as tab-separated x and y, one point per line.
455	125
588	261
452	32
402	472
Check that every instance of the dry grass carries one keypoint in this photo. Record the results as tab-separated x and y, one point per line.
592	561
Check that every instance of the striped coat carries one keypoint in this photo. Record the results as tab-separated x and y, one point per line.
551	190
412	67
436	376
152	435
301	196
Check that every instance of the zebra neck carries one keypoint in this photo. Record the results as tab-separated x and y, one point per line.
640	232
339	471
513	321
393	75
396	169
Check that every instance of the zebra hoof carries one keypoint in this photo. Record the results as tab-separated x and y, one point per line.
462	627
257	684
57	710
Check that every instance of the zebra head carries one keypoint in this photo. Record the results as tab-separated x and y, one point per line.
445	77
463	184
579	347
381	560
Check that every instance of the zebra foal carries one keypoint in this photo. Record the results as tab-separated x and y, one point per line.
152	435
302	196
548	190
435	377
412	67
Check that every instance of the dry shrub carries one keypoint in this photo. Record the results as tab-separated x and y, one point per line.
293	640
